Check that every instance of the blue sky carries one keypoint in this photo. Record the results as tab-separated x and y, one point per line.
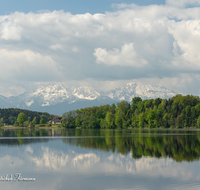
75	6
102	44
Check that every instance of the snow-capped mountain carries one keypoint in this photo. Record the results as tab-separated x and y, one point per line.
58	93
130	90
57	98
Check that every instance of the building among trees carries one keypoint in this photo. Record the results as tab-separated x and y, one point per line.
56	120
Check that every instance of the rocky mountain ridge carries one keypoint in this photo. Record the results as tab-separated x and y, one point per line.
58	98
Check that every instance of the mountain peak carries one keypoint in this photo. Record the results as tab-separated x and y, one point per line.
85	92
145	91
51	97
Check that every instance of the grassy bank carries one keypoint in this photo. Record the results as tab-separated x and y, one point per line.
44	126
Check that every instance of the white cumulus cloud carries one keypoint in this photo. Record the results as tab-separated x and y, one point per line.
155	41
10	30
126	57
26	64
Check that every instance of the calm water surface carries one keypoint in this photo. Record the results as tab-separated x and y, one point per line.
100	159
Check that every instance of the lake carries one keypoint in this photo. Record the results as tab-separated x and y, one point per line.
56	159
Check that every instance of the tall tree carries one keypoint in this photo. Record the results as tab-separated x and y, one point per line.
43	119
21	118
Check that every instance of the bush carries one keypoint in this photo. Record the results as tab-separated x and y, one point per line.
32	124
16	123
26	123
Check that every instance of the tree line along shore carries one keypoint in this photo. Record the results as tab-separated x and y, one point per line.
23	118
176	112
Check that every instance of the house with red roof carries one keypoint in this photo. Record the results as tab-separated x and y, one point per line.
56	120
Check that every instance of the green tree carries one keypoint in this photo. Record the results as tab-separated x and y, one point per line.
37	119
26	123
157	101
32	124
135	100
150	118
1	122
141	120
113	108
34	120
16	123
119	118
21	118
198	121
110	120
64	122
78	121
103	123
68	119
43	119
179	121
165	120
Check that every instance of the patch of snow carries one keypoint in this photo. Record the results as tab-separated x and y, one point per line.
29	103
46	104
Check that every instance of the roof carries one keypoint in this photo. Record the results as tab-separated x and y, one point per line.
56	118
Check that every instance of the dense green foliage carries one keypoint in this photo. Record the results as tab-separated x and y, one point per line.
21	119
176	112
43	119
10	115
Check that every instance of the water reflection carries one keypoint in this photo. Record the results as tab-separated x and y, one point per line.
57	165
101	159
180	145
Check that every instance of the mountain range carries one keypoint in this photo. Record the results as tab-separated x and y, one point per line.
57	98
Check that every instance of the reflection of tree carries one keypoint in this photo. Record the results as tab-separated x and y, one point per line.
184	147
20	133
178	145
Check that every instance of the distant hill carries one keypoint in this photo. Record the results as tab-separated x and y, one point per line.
9	115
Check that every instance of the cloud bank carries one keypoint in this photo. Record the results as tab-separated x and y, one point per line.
131	43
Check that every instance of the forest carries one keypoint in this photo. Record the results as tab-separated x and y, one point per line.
10	115
176	112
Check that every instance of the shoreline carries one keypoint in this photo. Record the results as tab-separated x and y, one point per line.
38	127
60	127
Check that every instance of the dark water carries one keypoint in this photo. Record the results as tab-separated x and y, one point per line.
100	159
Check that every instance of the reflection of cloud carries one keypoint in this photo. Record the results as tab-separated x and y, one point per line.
117	163
85	160
165	167
149	163
75	162
55	160
128	164
29	149
51	159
